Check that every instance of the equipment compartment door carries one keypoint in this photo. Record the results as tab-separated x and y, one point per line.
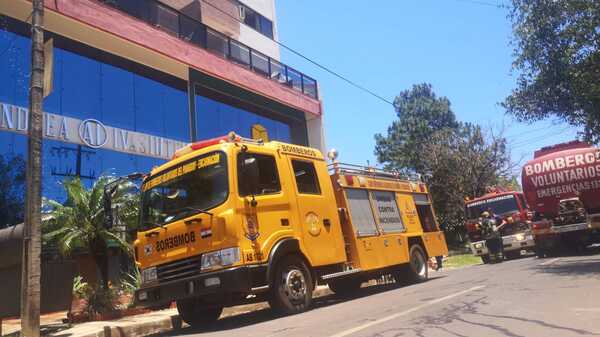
317	212
435	241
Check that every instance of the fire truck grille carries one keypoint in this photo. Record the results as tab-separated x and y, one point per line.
179	269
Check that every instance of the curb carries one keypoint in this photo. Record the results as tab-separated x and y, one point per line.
158	325
167	323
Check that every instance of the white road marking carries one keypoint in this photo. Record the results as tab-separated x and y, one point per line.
587	309
405	312
549	262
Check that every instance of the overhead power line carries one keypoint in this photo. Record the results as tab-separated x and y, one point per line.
325	68
483	3
518	137
538	139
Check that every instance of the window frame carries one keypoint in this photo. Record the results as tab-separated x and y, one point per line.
257	22
356	230
377	213
238	166
140	217
316	176
522	201
428	204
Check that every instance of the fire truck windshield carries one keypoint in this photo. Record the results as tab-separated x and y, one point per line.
498	205
191	187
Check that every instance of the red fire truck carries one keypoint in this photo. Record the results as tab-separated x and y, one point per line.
510	207
562	185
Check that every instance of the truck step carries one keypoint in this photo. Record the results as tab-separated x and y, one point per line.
341	273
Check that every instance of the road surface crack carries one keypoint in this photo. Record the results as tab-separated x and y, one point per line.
542	323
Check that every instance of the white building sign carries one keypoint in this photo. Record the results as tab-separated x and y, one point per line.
89	132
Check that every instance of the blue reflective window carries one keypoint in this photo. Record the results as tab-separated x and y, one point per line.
13	158
85	88
118	109
80	88
14	68
61	161
214	119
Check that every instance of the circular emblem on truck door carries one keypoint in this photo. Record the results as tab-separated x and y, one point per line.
312	223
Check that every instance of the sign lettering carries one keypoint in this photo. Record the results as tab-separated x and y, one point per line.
387	211
298	150
89	132
181	170
175	241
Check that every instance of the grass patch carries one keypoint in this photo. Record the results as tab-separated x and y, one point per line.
462	260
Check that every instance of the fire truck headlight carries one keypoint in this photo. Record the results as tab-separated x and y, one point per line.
220	258
520	237
148	275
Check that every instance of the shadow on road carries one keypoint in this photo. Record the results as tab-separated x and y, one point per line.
469	313
572	268
263	315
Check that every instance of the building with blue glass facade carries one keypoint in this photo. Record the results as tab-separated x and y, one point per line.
131	81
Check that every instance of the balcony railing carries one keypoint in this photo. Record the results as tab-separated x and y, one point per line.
195	32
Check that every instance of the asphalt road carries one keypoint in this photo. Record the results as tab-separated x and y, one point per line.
524	297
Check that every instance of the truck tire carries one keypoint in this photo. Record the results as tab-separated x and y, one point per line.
485	259
417	269
345	287
197	314
292	288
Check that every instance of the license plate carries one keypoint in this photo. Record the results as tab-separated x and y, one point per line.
569	228
212	281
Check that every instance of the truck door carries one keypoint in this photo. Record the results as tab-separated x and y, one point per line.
317	212
434	239
268	220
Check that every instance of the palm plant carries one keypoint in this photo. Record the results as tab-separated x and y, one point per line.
78	224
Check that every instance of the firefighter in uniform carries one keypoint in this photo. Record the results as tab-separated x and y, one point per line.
490	231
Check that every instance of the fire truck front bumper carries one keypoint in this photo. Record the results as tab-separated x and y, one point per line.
479	248
518	242
515	242
223	284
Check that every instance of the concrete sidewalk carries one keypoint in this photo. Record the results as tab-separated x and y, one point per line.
13	326
139	325
154	322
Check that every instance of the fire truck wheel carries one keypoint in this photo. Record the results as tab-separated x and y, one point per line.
292	288
345	287
197	314
418	270
485	259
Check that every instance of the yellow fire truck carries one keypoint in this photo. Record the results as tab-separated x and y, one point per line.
232	220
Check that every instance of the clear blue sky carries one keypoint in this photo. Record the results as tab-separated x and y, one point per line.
461	48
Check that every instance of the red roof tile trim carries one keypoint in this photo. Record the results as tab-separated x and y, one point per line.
122	25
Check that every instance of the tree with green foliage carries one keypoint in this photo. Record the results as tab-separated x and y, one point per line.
455	159
12	190
557	56
463	163
78	223
420	113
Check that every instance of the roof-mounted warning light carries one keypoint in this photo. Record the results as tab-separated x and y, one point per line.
231	137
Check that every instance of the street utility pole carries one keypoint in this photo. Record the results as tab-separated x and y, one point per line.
32	246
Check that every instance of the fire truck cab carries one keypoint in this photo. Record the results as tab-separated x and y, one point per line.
233	220
508	207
